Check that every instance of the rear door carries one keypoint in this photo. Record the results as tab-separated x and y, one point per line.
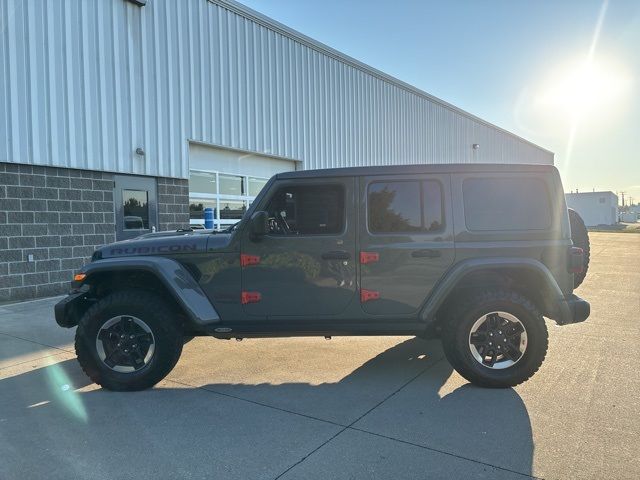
406	241
305	265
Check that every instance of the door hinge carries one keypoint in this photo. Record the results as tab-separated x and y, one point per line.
246	260
369	257
367	295
250	297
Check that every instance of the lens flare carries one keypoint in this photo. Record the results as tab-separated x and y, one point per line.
61	388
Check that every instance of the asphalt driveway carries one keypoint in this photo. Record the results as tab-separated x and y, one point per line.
346	408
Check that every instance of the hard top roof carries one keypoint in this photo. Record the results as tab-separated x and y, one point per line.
418	169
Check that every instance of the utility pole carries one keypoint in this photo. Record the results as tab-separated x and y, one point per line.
622	195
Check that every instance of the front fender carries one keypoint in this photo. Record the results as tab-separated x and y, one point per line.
556	306
173	275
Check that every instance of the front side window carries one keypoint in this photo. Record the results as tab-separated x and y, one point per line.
404	207
307	210
136	209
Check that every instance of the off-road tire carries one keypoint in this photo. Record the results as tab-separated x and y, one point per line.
580	238
152	310
457	328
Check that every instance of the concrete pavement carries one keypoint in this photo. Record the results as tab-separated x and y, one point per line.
347	408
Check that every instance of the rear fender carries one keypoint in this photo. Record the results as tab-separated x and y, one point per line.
555	305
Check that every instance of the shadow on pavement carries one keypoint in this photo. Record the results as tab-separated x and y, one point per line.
171	429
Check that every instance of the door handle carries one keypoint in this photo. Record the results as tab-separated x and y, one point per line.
426	253
336	255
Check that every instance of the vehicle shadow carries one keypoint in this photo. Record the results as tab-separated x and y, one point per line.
50	412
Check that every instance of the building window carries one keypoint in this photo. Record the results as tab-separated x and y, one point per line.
232	210
256	185
307	210
231	185
228	195
602	200
203	182
404	207
136	209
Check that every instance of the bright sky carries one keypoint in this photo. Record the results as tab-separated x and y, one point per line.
563	74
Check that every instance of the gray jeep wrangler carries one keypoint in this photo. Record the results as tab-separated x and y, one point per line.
473	254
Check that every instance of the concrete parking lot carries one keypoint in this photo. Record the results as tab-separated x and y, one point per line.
346	408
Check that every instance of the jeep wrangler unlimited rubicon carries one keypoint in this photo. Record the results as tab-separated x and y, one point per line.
473	254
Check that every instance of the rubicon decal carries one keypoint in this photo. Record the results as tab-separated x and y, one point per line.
153	249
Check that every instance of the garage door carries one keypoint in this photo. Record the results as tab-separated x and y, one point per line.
227	181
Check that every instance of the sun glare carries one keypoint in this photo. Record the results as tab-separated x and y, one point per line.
582	90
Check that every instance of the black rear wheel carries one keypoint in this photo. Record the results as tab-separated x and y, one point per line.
580	238
496	338
129	340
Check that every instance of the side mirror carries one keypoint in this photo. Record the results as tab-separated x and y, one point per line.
259	224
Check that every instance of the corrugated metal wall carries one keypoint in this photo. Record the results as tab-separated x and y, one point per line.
84	83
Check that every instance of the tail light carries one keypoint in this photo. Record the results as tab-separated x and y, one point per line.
576	260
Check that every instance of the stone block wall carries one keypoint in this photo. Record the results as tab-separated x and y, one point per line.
173	204
51	221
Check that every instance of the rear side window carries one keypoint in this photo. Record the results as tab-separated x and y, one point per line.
307	210
404	207
506	204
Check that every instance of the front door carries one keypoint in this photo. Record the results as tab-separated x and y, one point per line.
136	206
305	265
406	241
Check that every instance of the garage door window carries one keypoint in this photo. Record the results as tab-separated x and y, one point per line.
228	195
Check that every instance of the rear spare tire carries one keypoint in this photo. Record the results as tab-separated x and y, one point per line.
580	238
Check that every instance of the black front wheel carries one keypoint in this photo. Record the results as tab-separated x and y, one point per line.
496	338
129	340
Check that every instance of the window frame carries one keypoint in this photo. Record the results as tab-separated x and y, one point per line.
343	190
423	230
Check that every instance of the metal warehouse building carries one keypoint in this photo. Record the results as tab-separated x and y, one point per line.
119	117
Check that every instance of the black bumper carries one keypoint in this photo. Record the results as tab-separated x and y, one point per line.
574	310
68	309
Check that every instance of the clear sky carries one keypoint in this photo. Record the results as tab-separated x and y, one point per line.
563	74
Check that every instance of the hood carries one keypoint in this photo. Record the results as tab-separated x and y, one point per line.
165	243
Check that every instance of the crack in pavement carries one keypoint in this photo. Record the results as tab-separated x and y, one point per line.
435	450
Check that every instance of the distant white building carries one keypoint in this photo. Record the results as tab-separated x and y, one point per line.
629	217
595	208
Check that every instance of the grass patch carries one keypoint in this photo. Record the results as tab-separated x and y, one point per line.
619	228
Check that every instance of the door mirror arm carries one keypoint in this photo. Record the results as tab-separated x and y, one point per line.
259	226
